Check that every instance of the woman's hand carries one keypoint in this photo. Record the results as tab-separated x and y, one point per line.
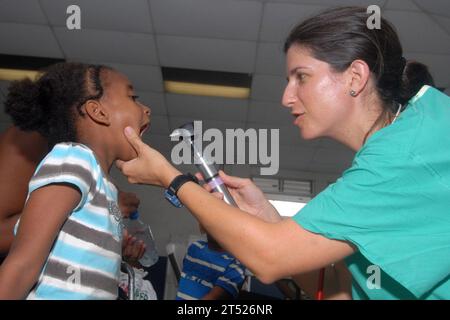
248	197
149	167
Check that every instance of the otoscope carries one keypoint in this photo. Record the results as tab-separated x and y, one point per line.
206	166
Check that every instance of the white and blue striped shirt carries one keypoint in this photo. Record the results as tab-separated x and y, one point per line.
84	262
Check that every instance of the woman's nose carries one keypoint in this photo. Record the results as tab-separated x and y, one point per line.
288	97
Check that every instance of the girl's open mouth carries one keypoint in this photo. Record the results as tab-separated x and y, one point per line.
143	129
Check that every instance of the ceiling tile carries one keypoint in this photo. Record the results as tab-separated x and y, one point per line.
270	59
207	54
197	107
111	46
147	79
444	22
424	35
207	19
21	11
28	40
329	3
268	88
333	3
401	5
440	7
125	16
280	18
143	78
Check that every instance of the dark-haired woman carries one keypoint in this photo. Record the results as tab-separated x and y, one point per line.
388	215
68	242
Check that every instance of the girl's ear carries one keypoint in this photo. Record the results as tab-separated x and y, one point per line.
97	112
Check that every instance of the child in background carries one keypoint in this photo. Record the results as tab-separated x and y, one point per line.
209	272
68	238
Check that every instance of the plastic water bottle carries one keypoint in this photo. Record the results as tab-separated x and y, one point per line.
142	231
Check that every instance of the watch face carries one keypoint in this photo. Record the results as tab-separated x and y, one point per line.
173	199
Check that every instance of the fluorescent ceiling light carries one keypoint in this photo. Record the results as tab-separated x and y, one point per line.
207	83
13	67
200	89
16	74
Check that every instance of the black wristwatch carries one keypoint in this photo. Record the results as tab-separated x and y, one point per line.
171	192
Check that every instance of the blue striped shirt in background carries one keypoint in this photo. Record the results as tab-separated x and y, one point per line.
204	269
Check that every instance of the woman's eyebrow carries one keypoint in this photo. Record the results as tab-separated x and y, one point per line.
294	70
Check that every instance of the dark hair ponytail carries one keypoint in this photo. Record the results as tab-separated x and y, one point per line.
415	75
51	104
339	36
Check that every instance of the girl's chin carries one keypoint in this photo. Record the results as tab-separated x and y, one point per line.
132	154
129	155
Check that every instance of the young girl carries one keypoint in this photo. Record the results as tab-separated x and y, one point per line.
68	238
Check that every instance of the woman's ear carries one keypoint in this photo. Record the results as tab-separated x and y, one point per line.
97	112
359	74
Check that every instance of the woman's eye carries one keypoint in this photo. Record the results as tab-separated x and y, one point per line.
134	98
301	76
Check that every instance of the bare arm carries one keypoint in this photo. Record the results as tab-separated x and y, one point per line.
269	250
20	153
42	218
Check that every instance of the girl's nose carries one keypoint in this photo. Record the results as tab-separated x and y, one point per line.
147	110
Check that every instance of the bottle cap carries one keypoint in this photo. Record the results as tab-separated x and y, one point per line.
134	215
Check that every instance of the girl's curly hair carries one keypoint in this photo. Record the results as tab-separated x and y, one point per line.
51	104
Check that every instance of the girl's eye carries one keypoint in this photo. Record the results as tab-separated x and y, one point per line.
134	98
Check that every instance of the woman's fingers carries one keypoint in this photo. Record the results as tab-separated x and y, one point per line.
230	181
133	139
119	164
205	185
199	176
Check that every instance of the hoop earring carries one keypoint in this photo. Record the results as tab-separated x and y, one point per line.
353	93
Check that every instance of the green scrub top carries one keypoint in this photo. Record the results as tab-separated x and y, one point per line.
393	204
